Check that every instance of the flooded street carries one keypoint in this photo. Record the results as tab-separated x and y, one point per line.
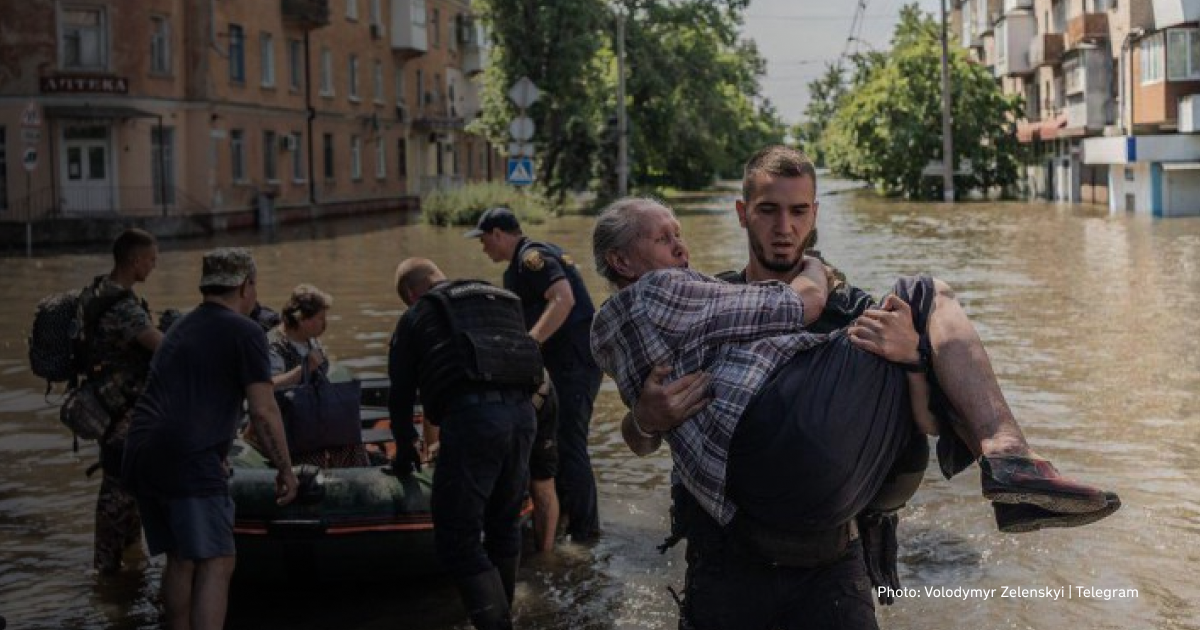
1091	322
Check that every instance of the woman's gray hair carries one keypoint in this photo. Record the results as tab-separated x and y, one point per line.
305	302
616	228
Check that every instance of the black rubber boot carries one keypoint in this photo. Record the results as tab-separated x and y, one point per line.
483	595
507	567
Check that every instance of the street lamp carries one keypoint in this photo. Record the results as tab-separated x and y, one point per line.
622	123
947	140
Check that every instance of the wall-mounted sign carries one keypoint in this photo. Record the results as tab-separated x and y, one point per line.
73	84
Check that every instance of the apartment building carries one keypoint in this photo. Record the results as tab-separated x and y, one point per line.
1110	90
221	108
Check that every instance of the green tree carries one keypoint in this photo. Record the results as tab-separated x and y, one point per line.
693	98
695	103
887	127
561	47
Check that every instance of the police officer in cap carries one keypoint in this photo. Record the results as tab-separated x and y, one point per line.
558	314
463	344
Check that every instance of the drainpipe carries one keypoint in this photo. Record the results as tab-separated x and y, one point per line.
162	167
311	115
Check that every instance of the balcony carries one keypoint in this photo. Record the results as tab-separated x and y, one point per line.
1046	50
308	14
1175	12
1189	113
1015	5
1014	34
1088	27
474	46
409	36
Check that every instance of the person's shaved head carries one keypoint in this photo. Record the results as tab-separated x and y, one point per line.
414	277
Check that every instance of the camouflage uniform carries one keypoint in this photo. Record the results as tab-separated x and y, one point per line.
119	368
285	357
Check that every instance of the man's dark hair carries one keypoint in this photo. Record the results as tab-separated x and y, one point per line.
218	291
777	160
127	244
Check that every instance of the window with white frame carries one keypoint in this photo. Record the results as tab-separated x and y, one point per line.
351	9
376	13
326	72
267	54
354	77
399	86
162	171
270	151
1183	54
237	54
160	45
297	151
83	43
380	158
1002	41
237	154
1151	54
355	158
1075	72
295	63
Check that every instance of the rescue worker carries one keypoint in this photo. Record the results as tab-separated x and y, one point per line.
463	344
120	338
558	313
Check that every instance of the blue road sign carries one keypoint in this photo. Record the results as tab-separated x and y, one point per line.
520	171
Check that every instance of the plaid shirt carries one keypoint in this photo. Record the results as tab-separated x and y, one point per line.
681	318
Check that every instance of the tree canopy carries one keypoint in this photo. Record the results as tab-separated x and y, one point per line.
886	125
695	108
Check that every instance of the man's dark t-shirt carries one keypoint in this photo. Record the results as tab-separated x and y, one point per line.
184	423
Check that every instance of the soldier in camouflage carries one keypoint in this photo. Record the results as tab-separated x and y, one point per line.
119	339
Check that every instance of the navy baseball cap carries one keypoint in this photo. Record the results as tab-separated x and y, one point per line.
498	217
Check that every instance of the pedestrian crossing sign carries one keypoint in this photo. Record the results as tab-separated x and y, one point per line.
520	171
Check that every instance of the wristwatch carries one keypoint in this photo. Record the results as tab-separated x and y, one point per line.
923	362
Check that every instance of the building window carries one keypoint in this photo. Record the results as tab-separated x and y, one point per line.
354	77
355	158
402	156
399	86
237	54
326	72
1151	50
352	10
267	51
84	44
420	90
380	158
160	45
1129	174
270	151
435	26
297	151
376	13
4	171
378	81
1183	54
162	152
237	154
295	63
327	150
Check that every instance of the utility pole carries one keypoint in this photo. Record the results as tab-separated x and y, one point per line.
622	123
947	140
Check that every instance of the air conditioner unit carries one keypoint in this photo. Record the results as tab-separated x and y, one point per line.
377	31
288	143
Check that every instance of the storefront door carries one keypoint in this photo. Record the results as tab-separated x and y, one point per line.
87	185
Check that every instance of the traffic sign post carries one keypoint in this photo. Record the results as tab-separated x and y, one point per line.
523	94
31	135
29	159
520	171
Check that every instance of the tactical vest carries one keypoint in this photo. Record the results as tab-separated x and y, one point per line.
488	343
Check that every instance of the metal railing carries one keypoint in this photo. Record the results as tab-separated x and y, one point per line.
101	201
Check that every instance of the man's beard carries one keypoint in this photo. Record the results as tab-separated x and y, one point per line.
775	264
